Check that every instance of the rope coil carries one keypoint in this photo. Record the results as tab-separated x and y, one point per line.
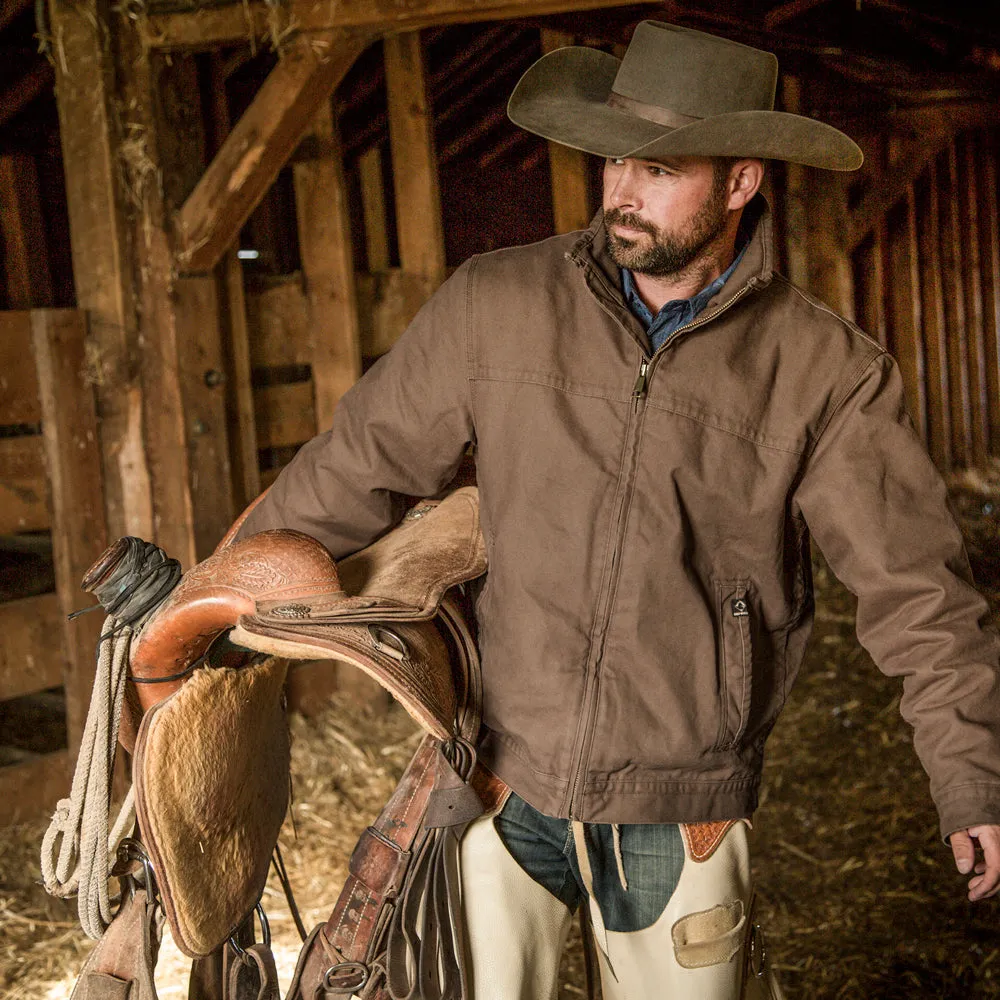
131	580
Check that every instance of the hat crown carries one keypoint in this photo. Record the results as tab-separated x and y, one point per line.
692	73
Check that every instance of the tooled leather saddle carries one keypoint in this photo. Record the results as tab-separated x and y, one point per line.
211	761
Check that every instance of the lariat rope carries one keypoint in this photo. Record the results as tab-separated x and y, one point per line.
78	849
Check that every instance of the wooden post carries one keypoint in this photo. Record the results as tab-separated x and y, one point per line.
26	267
796	194
101	269
991	284
828	264
236	340
79	532
952	264
373	208
321	205
906	312
935	332
414	165
972	279
568	167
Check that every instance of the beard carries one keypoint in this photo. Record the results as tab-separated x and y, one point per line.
671	251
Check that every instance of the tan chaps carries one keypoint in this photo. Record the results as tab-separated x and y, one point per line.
516	930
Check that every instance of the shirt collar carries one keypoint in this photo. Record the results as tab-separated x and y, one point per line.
691	306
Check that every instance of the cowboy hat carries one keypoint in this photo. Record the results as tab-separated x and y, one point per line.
677	92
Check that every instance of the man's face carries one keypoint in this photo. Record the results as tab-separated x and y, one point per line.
661	215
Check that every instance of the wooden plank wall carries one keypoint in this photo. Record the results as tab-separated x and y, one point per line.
50	480
927	285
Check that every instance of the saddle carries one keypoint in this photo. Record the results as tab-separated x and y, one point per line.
211	760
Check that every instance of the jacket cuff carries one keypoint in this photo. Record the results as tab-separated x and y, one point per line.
972	804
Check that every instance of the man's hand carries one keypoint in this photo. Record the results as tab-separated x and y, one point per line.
963	846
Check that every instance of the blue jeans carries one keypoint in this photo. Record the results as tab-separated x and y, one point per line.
652	856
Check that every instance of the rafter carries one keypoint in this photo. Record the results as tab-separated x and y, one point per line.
25	89
261	143
788	11
209	27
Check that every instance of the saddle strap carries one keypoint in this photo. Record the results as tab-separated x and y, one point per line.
253	976
395	930
121	965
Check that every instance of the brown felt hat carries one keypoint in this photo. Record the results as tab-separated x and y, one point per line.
677	92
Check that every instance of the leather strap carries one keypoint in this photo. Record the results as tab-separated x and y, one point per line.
253	976
650	112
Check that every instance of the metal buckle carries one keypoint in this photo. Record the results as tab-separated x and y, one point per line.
388	642
129	851
359	970
757	958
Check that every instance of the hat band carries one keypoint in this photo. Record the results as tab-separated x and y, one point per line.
650	112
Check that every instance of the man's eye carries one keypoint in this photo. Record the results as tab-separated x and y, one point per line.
657	171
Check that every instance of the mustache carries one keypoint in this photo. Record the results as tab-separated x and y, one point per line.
616	217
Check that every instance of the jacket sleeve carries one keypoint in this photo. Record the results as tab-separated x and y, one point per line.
877	507
400	431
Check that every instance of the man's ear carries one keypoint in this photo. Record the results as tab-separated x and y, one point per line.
745	178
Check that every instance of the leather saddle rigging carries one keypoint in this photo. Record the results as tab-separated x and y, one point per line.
211	759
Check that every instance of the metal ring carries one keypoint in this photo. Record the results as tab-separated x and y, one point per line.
388	642
359	969
265	932
129	850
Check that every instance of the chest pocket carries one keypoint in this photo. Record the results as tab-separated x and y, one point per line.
735	659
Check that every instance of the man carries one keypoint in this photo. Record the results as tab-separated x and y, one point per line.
660	422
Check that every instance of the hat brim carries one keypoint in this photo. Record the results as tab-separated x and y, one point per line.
563	97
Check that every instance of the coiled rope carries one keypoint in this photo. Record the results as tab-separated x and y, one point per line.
78	848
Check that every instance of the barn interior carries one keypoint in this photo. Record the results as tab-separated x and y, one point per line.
215	215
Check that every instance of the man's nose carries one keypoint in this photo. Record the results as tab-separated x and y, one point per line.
623	193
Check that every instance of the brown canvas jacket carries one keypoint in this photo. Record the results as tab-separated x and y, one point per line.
648	520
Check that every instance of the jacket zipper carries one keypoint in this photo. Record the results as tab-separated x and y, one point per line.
583	740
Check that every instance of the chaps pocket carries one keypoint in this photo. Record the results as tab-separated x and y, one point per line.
709	937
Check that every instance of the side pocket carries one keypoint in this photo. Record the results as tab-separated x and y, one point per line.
709	937
735	658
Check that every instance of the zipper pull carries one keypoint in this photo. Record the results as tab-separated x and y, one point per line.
639	389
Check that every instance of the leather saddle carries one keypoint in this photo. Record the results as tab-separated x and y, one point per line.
211	755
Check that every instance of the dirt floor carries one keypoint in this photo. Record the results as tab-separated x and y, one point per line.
859	898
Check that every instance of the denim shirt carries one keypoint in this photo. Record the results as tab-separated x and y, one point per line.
674	313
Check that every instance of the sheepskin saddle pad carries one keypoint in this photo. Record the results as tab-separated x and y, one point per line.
211	774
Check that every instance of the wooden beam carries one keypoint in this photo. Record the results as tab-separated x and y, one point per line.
32	789
15	98
968	153
210	27
373	209
932	310
905	311
991	284
238	388
79	530
419	227
388	301
11	10
777	16
24	486
321	207
29	659
952	264
887	190
22	226
102	274
828	264
796	194
19	400
568	167
260	144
